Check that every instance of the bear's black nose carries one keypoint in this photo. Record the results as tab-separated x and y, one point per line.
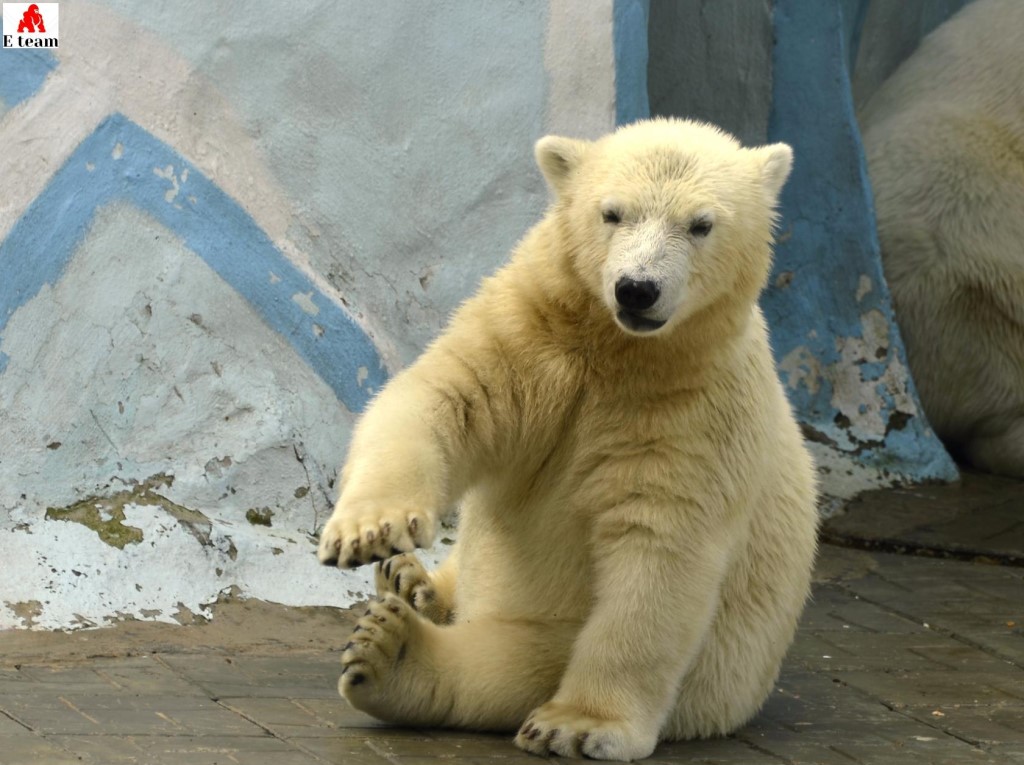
636	296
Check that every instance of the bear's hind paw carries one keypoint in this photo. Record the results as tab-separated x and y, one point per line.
405	576
374	655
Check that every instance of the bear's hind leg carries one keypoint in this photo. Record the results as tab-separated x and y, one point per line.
486	674
998	451
723	690
756	619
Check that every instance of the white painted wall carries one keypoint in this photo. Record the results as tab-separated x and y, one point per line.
384	153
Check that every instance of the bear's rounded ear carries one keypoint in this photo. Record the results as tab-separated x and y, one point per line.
557	158
776	162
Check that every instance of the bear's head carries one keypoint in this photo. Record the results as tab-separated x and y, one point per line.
665	217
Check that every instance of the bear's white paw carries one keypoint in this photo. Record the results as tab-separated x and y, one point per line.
561	729
372	674
404	576
353	537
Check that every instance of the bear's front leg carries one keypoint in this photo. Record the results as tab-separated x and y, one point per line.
484	674
414	452
395	483
656	592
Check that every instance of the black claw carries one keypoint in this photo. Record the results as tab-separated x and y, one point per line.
348	645
398	583
351	563
395	551
357	679
375	558
533	734
330	561
386	568
401	652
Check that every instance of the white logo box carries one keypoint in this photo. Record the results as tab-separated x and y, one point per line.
25	15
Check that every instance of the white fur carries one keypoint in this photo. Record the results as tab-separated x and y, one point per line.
944	139
638	511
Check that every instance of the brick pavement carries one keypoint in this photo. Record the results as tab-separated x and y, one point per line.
979	518
899	658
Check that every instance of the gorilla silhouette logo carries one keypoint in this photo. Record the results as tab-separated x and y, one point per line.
31	20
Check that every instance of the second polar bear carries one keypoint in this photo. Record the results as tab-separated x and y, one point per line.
638	510
944	141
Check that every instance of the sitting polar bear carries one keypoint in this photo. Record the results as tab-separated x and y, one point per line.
638	510
944	141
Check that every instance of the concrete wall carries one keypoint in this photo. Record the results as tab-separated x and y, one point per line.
712	59
222	227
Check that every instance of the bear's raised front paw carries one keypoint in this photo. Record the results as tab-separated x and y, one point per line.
352	538
372	661
405	576
563	730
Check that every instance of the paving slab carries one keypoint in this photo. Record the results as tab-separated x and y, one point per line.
19	749
898	658
980	517
307	676
191	750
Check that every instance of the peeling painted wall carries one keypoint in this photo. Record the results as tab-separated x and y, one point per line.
222	228
835	334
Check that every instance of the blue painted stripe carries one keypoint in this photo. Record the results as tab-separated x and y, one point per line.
629	40
829	240
210	223
22	73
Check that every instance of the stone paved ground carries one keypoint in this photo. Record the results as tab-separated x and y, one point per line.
980	518
899	659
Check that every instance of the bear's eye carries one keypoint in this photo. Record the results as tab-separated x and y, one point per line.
701	227
611	216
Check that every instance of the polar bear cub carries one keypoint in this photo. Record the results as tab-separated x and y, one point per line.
944	140
638	517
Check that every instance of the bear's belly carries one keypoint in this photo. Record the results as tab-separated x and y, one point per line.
523	556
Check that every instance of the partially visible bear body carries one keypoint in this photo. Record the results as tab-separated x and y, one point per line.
944	140
638	510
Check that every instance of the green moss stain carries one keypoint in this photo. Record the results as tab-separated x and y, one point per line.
259	516
105	515
27	610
